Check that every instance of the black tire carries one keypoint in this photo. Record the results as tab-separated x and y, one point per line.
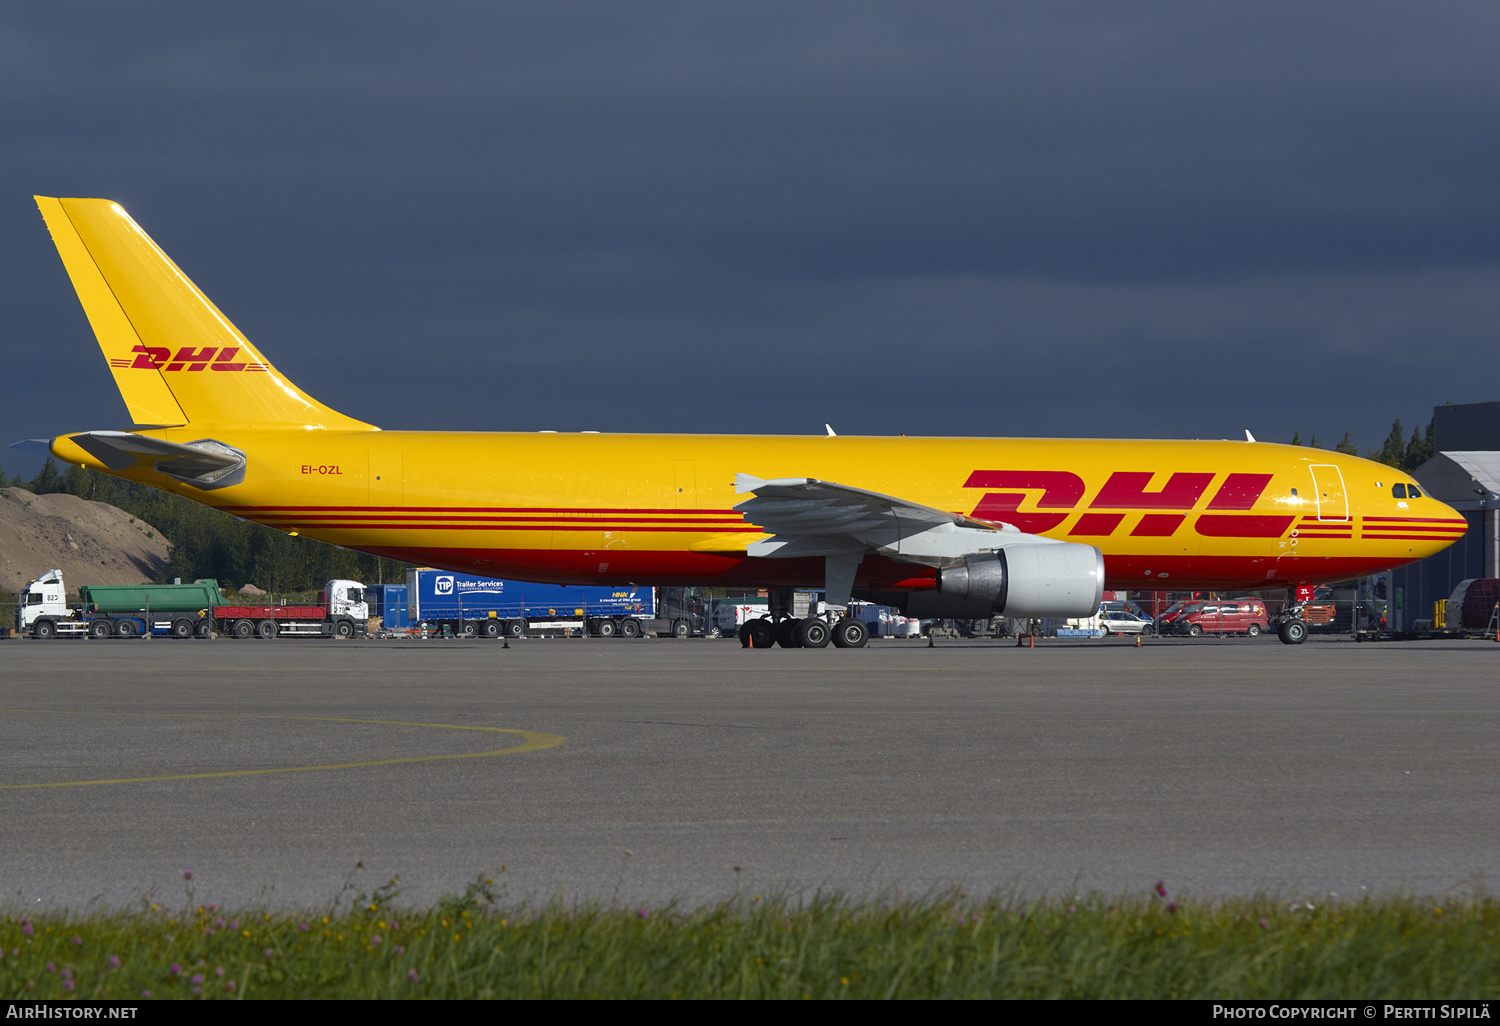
759	633
603	629
813	633
44	629
1292	632
468	629
1253	630
99	629
266	629
343	628
516	628
203	629
243	629
1194	630
850	633
181	629
491	628
630	628
124	628
682	629
1147	631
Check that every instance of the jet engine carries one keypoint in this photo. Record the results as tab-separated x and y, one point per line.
1058	579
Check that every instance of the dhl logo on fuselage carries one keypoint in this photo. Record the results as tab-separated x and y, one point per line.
1127	490
188	358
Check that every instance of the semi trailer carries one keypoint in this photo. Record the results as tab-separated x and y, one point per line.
196	610
464	605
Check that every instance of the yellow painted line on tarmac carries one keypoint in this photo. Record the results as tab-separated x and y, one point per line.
534	741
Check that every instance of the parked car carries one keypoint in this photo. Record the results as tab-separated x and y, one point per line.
1228	616
1123	621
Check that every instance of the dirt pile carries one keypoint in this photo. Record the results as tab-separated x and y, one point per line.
90	542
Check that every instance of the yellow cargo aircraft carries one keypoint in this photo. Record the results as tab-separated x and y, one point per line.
960	527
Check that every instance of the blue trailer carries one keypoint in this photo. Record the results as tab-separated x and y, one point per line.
468	606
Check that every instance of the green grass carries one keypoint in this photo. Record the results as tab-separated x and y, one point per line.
768	946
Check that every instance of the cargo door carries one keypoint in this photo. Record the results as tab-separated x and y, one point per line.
387	478
1328	487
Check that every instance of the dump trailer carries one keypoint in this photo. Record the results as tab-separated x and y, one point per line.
193	610
464	605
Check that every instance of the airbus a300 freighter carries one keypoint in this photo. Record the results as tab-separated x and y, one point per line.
960	527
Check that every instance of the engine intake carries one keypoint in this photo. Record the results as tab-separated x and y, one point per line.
1059	579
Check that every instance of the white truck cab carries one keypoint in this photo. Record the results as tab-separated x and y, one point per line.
346	599
45	596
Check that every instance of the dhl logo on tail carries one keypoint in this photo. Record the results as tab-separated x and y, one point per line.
189	358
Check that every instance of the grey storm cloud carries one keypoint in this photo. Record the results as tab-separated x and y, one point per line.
1053	218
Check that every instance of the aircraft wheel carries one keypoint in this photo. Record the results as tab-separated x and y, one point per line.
758	633
786	633
182	628
813	633
1292	632
850	633
266	629
99	629
243	629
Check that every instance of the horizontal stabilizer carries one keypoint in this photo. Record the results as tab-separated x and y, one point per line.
39	446
205	464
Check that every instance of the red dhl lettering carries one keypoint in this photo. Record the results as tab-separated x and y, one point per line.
189	358
1062	491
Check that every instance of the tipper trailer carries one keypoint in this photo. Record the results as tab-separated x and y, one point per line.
464	605
196	610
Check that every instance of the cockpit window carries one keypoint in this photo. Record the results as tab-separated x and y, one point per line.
1399	491
1412	492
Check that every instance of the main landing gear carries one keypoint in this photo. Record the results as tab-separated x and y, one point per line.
814	631
1291	628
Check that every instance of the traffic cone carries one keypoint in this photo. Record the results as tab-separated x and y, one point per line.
1137	641
931	645
1033	640
506	645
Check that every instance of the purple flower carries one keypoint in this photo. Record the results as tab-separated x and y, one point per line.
302	927
229	986
1161	889
174	968
187	874
270	952
197	978
219	924
52	967
77	940
198	991
114	961
1171	906
146	994
1072	909
67	984
1265	924
208	931
219	971
67	973
234	924
213	906
25	921
28	929
412	975
643	913
400	951
375	941
395	925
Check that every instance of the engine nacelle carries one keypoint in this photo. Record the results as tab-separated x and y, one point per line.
1058	579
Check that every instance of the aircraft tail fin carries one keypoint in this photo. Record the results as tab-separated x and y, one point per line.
175	358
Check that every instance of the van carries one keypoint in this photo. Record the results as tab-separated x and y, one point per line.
1227	616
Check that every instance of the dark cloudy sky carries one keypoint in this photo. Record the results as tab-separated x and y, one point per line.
1177	220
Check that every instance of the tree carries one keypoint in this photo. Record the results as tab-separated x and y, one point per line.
1393	453
1419	450
1296	438
1347	445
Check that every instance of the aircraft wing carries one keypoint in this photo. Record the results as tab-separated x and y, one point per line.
809	517
205	463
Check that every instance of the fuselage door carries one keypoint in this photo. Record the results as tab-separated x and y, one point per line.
1328	486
